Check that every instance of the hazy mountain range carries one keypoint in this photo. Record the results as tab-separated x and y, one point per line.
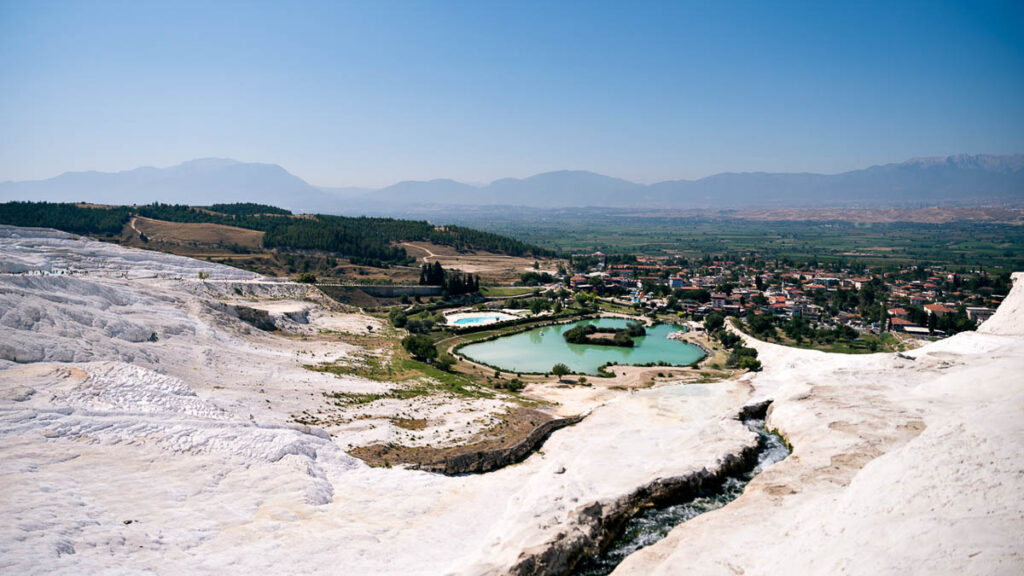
958	179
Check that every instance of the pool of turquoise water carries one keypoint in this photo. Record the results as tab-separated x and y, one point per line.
538	349
481	320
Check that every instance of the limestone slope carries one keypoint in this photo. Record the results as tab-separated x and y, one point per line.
901	464
146	428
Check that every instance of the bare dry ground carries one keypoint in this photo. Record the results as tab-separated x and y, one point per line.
196	234
492	267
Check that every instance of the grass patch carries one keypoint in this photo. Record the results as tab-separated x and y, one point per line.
393	364
712	376
447	381
884	342
605	306
370	367
410	423
354	399
505	291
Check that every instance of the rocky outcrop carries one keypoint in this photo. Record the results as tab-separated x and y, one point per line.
755	410
920	447
255	317
597	524
490	460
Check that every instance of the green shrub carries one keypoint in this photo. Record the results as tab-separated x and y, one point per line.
728	339
744	359
714	321
445	362
515	385
421	347
751	364
560	370
398	317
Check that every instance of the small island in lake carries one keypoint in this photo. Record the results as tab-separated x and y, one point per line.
604	336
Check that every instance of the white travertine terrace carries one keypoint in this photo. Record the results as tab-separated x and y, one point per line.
176	456
901	465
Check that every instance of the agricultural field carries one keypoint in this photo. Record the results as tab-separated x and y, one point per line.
996	246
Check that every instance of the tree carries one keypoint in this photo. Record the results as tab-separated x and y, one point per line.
585	299
751	364
432	274
728	339
535	278
714	321
761	326
744	359
421	347
419	326
846	333
560	370
398	317
537	306
445	362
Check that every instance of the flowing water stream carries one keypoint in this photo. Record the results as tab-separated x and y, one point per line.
653	524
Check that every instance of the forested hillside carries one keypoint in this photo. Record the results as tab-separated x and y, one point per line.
67	217
247	208
368	241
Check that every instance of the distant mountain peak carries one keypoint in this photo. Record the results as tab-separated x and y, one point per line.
567	173
210	162
197	182
956	178
990	162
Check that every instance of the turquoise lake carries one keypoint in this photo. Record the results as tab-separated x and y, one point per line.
539	349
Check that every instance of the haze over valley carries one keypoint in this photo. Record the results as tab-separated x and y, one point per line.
952	180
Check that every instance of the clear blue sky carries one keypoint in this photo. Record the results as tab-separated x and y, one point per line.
375	92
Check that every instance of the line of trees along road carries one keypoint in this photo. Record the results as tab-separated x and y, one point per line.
452	282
